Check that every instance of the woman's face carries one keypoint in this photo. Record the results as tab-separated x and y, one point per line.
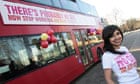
116	39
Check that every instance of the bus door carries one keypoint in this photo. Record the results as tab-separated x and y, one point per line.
83	46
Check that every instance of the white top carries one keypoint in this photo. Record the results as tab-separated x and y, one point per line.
124	66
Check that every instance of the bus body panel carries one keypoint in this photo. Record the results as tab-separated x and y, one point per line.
94	51
61	72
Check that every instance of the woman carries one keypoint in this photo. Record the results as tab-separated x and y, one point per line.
117	58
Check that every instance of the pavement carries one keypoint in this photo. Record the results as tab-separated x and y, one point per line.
94	75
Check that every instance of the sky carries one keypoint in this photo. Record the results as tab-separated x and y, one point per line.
127	8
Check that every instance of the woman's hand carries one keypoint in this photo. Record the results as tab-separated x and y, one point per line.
108	76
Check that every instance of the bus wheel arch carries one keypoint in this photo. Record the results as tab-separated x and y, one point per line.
99	52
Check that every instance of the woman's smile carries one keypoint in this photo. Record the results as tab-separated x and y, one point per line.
116	39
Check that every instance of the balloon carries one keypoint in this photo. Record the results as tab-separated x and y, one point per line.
48	38
53	39
50	32
91	33
44	44
44	36
97	32
92	30
49	42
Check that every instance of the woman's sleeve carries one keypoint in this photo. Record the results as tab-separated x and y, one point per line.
125	49
106	61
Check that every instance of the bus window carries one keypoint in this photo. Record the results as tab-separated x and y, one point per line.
51	53
95	39
81	47
21	54
61	45
13	52
13	57
55	51
68	43
48	2
42	56
84	35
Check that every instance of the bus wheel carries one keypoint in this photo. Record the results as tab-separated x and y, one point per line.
99	52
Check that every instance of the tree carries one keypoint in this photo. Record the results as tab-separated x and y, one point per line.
131	23
124	27
104	21
115	17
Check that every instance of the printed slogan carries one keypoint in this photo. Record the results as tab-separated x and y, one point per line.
14	13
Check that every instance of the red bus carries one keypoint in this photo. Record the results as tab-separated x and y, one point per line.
47	42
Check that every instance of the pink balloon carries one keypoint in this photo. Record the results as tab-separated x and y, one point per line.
93	30
48	38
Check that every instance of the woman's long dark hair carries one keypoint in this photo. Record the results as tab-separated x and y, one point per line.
107	34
